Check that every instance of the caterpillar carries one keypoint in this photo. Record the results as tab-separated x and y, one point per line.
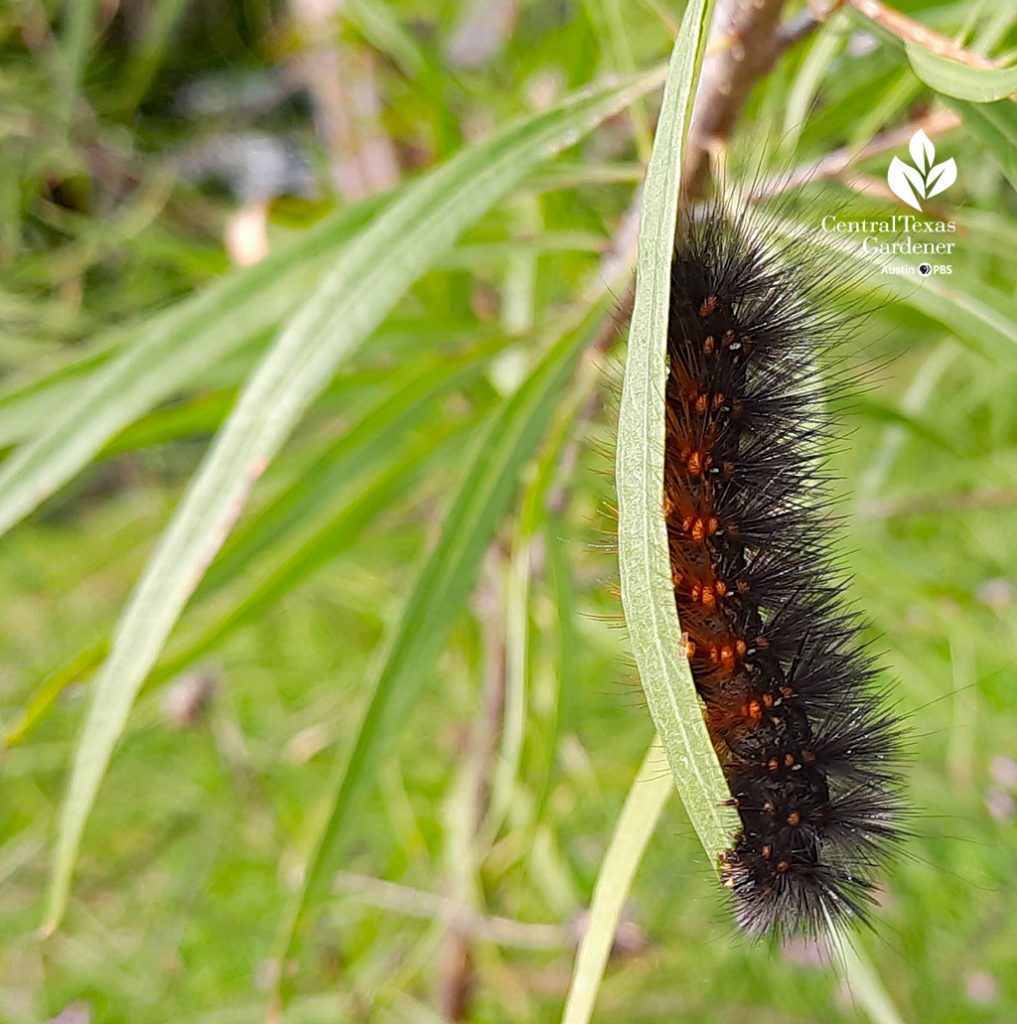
789	688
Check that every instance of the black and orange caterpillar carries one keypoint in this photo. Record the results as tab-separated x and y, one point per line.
791	695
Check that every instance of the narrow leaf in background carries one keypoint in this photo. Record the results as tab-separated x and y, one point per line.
961	81
412	232
172	350
993	125
441	589
632	833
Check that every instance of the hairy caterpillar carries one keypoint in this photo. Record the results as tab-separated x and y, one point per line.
789	690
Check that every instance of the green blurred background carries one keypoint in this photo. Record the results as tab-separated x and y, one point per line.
151	147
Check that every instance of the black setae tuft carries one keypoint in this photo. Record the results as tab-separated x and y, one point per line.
790	692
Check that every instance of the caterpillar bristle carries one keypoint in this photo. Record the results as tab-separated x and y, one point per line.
788	684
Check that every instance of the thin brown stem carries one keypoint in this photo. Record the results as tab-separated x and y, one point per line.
455	970
742	47
840	160
910	31
793	31
340	79
501	931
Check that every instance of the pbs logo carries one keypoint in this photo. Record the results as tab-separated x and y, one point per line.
930	269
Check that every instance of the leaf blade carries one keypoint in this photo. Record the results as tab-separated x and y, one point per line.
632	832
647	595
409	235
175	347
961	81
441	588
994	125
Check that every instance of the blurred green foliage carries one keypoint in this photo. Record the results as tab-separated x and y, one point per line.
131	136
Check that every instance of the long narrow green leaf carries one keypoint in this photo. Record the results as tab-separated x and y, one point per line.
414	230
79	23
961	81
863	982
296	514
441	589
412	388
632	831
173	349
316	543
647	594
994	125
820	58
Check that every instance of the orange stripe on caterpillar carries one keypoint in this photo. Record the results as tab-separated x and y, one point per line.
787	685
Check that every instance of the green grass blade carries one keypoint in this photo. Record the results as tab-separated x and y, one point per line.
173	349
414	230
382	27
961	81
79	22
199	416
564	708
647	594
635	825
441	589
821	56
83	664
26	406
